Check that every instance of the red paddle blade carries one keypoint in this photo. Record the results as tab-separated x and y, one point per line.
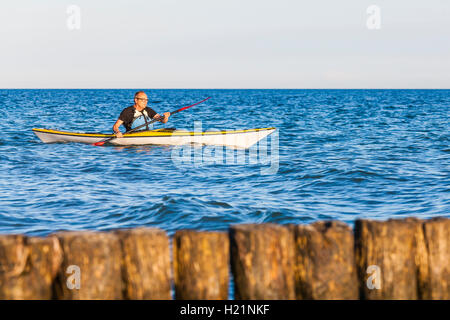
100	143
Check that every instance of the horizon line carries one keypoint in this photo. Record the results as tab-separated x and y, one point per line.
143	88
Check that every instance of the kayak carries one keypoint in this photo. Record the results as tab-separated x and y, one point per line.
239	139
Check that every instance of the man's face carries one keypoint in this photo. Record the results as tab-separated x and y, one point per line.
141	100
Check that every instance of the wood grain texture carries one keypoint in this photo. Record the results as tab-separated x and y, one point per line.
28	266
325	262
392	246
434	260
98	255
201	265
146	267
262	261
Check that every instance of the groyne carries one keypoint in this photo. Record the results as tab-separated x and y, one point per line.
395	259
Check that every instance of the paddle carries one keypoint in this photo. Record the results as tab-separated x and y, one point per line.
100	143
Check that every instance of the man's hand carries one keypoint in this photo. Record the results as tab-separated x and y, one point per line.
119	134
166	117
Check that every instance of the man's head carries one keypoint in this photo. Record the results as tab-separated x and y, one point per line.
140	99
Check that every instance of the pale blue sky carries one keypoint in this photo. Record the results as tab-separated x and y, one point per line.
225	44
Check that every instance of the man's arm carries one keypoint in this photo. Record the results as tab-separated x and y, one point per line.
116	128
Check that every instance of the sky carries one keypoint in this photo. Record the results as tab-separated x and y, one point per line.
225	44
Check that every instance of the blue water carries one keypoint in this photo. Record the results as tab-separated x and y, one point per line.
343	154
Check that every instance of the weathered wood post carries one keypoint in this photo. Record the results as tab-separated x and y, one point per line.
201	262
28	266
262	261
394	259
146	263
325	262
386	253
434	260
201	265
92	260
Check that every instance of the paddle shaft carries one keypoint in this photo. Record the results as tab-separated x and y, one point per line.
100	143
171	114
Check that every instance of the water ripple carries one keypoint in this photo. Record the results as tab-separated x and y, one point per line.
344	154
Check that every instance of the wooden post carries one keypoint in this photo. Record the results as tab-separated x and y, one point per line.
434	260
28	267
201	265
262	261
385	256
394	259
325	263
146	263
93	261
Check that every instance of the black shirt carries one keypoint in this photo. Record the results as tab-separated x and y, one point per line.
130	114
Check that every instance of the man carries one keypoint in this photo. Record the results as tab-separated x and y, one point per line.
138	114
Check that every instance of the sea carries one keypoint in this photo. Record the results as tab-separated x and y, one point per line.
335	155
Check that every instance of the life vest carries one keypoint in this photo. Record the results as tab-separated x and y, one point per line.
140	118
